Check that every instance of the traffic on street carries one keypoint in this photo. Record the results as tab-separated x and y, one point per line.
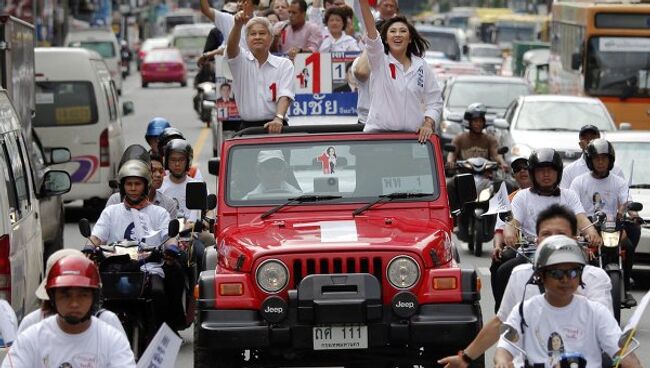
326	183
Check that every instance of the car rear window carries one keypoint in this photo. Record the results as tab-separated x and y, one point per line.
160	56
64	104
104	48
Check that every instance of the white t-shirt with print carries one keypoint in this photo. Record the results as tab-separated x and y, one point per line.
597	288
583	326
45	345
605	194
117	223
579	167
37	316
177	192
526	205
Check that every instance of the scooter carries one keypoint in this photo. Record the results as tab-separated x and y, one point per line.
205	92
126	270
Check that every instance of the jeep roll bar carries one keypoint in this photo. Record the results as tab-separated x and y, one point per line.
338	128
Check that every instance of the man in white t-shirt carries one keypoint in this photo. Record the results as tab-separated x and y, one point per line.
178	158
558	321
554	220
74	337
601	192
263	83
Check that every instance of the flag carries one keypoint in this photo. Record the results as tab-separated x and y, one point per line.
499	202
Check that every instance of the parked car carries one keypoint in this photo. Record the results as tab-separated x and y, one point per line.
337	243
77	107
104	42
633	157
51	206
163	65
150	44
21	242
493	91
538	121
486	55
190	40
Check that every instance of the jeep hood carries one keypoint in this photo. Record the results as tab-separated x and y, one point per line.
290	236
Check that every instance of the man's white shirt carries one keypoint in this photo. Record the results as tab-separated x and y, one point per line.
117	223
177	192
579	167
45	345
37	316
159	199
605	194
597	288
526	205
258	88
583	326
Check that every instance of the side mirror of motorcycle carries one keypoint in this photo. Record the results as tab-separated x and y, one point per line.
84	227
173	228
503	150
196	194
212	201
465	187
634	206
449	147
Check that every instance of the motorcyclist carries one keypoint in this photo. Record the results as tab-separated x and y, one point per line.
601	192
473	143
172	133
155	127
126	56
519	167
558	321
74	336
178	160
554	221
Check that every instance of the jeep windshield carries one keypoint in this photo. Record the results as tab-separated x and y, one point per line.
357	171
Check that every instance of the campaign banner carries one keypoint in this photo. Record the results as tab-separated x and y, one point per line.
322	84
162	350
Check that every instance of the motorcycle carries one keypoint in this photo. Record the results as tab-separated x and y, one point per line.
205	92
126	270
610	256
473	227
125	61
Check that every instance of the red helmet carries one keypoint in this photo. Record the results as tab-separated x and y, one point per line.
73	271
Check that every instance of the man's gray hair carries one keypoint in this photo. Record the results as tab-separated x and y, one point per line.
259	20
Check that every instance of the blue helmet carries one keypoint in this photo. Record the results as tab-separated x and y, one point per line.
156	126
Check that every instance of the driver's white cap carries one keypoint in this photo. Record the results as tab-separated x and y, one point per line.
264	156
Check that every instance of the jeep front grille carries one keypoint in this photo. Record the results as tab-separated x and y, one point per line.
325	265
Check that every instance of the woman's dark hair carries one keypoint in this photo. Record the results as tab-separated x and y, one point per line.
418	44
550	343
336	11
557	211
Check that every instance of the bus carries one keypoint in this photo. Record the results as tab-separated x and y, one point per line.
603	50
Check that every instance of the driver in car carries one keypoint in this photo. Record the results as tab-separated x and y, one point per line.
272	170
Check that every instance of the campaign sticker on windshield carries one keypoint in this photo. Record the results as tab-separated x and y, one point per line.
73	115
417	184
44	98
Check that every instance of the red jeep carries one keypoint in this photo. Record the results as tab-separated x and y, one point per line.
333	247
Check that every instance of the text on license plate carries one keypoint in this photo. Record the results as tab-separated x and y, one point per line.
338	337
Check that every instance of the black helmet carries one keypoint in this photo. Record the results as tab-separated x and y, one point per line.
545	157
182	146
167	135
475	110
600	147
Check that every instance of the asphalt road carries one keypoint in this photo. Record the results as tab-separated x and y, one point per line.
175	104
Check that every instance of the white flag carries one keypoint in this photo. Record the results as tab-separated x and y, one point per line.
499	202
633	322
162	351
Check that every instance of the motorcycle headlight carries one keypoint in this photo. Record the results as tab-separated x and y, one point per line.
521	150
403	272
272	276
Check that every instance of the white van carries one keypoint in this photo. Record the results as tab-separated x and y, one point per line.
105	43
77	108
190	39
21	243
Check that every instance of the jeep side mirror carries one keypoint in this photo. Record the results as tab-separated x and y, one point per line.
59	155
56	182
173	228
196	194
128	108
501	123
212	201
634	206
213	166
465	187
84	228
576	60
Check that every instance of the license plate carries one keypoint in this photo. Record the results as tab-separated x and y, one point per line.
340	337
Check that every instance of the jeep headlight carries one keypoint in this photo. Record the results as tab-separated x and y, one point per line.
272	276
403	272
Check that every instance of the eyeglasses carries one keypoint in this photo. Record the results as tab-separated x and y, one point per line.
558	274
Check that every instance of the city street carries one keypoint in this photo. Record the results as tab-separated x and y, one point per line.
175	104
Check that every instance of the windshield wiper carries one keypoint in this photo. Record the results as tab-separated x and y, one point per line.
640	186
300	199
388	198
